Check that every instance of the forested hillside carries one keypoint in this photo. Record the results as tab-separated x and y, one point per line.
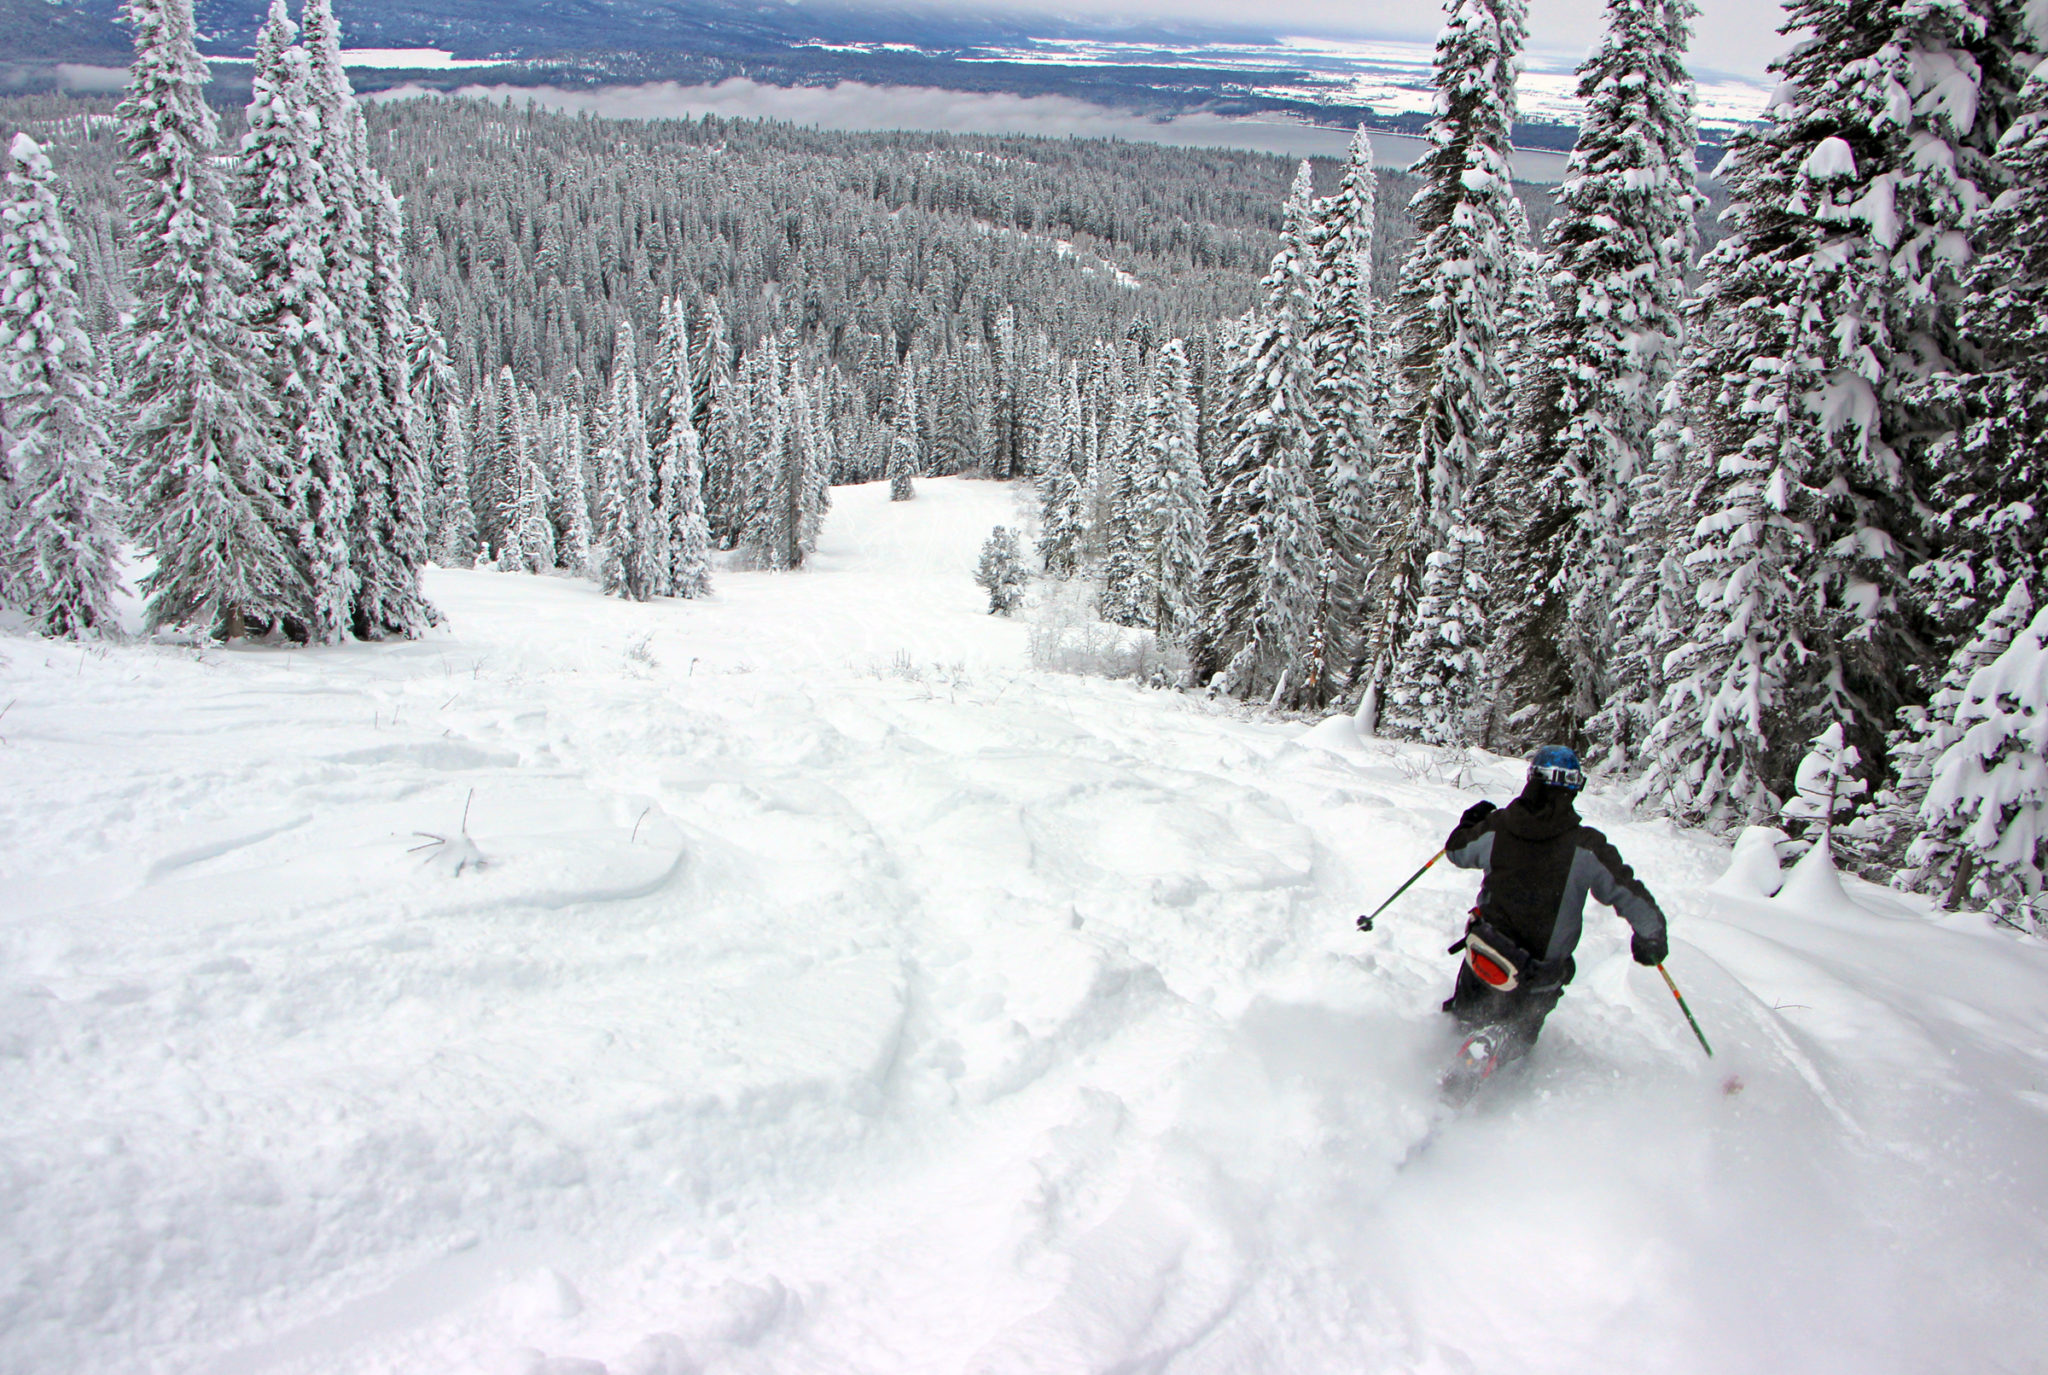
539	231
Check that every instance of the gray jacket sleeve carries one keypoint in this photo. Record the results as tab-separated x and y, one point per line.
1471	847
1615	884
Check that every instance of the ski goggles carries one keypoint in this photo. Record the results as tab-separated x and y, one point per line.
1558	776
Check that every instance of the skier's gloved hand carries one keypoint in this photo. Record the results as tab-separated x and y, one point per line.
1476	813
1649	949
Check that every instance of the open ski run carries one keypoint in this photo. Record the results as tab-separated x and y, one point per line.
818	987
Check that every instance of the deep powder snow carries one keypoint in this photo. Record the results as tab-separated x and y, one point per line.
819	988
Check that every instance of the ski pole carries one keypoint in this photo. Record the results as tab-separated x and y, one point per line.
1687	1011
1365	923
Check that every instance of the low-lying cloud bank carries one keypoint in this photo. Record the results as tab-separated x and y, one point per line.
854	107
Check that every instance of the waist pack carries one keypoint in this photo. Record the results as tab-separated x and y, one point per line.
1504	966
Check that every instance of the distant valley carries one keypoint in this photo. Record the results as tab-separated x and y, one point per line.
1156	71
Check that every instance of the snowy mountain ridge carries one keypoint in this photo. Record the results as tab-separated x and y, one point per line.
839	992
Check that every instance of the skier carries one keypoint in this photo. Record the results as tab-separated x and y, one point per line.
1540	862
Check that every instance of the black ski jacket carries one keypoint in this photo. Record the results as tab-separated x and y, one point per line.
1540	862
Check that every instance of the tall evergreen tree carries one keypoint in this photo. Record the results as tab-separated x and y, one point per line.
455	541
58	544
532	531
393	546
1263	631
1128	594
298	324
903	451
689	533
569	495
1450	385
1349	393
491	475
1060	526
1835	294
1183	518
720	427
1602	357
211	489
1993	467
636	566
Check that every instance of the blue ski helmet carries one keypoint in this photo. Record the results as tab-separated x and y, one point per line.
1557	766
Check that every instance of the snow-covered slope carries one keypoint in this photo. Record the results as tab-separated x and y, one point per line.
817	988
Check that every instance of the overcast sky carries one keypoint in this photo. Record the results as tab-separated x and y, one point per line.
1734	36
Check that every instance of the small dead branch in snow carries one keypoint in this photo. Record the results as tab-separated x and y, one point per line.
1434	764
3	712
454	853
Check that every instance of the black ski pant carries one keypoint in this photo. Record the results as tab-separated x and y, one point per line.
1517	1014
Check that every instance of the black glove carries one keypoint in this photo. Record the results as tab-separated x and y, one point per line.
1649	949
1476	813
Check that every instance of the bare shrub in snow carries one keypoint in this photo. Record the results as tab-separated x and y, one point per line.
1068	637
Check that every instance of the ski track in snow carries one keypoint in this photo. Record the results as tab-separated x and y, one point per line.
837	994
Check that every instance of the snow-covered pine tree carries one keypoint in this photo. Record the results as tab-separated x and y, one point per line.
1655	599
762	387
438	431
364	254
1183	514
531	532
1710	754
1527	305
492	474
210	489
1603	354
1992	470
805	489
347	270
392	513
613	525
1924	735
720	427
670	384
58	542
1265	586
569	503
689	533
766	537
1001	572
1060	531
1833	297
298	324
1986	811
1010	433
1125	599
516	444
903	452
636	563
1450	386
1349	392
455	542
1826	786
